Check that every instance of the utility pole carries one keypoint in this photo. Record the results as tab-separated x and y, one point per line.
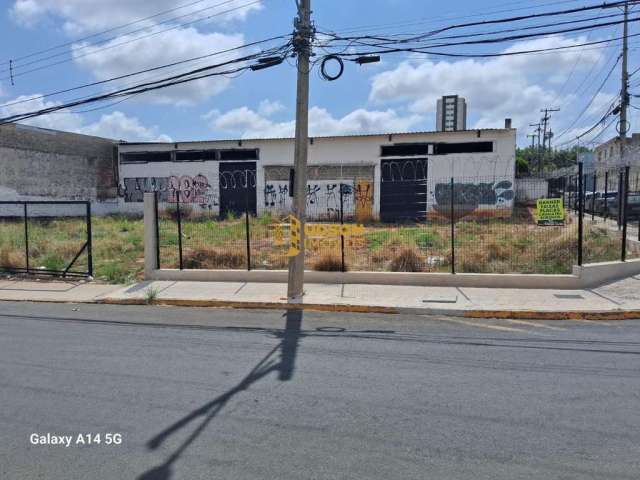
624	93
538	130
545	123
533	140
302	45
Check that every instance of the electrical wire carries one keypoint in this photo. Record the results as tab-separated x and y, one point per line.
116	45
113	29
584	110
148	86
153	69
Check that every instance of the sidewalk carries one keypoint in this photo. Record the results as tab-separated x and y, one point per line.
619	300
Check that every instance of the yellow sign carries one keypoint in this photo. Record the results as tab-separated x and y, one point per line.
294	247
550	210
317	235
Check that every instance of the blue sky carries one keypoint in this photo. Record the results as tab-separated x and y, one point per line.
395	95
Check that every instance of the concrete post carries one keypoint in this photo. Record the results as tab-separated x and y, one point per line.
150	238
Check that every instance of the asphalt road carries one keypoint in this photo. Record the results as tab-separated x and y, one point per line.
258	395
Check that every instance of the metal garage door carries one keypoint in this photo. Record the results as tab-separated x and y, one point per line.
237	188
403	192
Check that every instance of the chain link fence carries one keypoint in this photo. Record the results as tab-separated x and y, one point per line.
46	238
421	223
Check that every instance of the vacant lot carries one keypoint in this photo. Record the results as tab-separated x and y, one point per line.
513	245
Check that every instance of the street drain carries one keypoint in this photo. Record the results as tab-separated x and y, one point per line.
569	296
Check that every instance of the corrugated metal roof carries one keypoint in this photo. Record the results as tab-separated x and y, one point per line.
262	139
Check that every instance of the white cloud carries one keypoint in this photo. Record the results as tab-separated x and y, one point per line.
511	86
250	124
118	126
104	62
268	107
83	16
115	125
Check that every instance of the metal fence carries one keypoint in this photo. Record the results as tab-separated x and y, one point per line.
46	238
426	224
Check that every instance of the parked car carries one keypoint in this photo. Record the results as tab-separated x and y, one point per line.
602	206
633	207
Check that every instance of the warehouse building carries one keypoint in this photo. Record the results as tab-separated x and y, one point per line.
389	177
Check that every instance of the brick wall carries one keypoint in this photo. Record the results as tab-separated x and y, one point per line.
47	164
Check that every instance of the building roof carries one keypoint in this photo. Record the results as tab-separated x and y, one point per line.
262	139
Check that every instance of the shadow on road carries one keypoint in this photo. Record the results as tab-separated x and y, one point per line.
285	366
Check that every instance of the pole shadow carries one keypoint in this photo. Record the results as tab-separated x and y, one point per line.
284	366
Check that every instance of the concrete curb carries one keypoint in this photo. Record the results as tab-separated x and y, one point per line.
346	308
602	315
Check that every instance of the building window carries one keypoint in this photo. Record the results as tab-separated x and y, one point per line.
145	157
239	154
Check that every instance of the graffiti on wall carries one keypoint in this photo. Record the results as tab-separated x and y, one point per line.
196	189
323	197
468	197
363	197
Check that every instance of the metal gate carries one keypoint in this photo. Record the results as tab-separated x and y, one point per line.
46	238
237	188
403	192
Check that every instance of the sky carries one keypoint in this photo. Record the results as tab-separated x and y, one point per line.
398	94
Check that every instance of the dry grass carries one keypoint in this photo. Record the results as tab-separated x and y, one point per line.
213	258
327	263
10	258
407	260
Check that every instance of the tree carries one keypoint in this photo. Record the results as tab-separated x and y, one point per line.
527	159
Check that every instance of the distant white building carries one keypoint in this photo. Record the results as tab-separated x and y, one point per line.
389	176
451	114
607	155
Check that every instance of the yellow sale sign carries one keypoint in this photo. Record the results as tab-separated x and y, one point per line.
550	210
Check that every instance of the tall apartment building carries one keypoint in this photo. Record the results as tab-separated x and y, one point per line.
451	114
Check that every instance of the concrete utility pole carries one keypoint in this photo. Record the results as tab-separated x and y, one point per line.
538	130
302	44
624	94
545	123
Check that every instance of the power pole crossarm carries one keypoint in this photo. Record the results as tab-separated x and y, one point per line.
302	43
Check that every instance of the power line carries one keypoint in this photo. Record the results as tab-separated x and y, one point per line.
432	20
604	82
482	55
110	47
161	67
148	86
515	19
113	29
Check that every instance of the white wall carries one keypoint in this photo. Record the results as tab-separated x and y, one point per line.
496	167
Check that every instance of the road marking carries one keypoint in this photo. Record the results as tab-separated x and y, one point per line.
534	324
483	325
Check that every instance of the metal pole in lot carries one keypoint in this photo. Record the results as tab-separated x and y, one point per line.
593	197
580	213
157	228
453	234
26	237
89	242
620	187
625	203
606	195
179	228
246	218
342	223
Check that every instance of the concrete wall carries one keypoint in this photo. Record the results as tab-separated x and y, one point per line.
528	190
347	157
39	164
